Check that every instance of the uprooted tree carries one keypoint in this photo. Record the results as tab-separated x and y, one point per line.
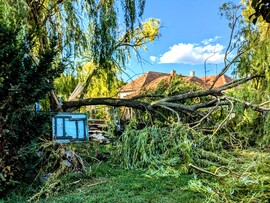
243	61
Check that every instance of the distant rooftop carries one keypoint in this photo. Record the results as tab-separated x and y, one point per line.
151	79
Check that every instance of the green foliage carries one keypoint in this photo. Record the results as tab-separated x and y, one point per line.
64	20
100	77
103	182
167	87
54	161
65	84
173	86
84	30
164	151
113	184
255	58
248	128
24	80
35	36
246	179
221	175
136	39
102	82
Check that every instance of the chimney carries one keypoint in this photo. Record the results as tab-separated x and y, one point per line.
172	73
192	73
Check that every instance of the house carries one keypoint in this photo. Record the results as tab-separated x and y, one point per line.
135	86
151	79
221	81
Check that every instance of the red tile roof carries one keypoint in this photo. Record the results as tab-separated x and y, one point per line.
153	84
150	80
222	80
197	80
141	81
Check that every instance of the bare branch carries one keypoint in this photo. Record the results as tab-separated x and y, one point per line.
224	70
226	119
237	82
178	106
234	21
173	102
256	107
170	109
190	95
264	103
202	170
197	123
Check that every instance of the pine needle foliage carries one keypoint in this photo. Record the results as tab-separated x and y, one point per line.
24	80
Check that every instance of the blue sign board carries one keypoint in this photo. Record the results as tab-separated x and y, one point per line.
68	127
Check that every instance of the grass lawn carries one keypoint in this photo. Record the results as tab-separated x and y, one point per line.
245	179
112	184
107	183
117	185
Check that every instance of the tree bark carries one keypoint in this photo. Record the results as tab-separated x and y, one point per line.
108	101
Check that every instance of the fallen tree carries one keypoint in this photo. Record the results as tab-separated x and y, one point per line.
216	96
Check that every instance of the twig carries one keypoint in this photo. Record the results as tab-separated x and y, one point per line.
206	116
264	103
229	171
225	120
5	103
249	104
170	109
74	183
208	172
202	170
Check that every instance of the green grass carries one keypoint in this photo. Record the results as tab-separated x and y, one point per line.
108	183
113	184
246	178
118	185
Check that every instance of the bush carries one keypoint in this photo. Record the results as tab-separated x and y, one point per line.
24	80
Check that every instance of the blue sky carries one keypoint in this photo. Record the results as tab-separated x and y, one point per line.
191	31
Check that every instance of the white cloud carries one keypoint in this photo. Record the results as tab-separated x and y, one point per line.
194	53
153	58
211	40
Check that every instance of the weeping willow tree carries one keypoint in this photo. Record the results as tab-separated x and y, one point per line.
88	30
77	25
95	79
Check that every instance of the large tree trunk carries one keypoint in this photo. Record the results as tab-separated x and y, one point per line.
107	101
